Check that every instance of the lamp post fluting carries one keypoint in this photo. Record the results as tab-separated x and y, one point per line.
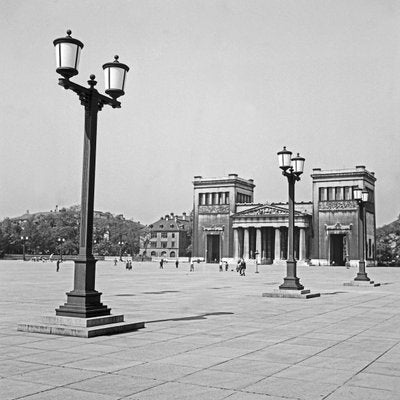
84	301
361	196
292	168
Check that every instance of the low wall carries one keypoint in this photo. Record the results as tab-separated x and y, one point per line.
41	256
352	263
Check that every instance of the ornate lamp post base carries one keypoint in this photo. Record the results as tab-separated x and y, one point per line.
83	305
362	276
84	301
291	283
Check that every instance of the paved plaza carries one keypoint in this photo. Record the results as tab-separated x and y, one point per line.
208	335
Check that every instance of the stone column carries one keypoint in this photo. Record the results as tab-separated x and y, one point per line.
215	198
269	246
302	244
258	244
277	244
246	240
264	234
236	249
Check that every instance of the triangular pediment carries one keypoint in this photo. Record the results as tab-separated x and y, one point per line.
265	209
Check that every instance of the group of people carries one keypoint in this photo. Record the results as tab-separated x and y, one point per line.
39	259
240	268
128	265
223	265
162	262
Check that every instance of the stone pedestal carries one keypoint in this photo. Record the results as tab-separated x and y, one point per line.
293	294
81	327
362	283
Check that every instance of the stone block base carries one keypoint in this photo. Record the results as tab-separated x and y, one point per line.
293	294
362	283
81	327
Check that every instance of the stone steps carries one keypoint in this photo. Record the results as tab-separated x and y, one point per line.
81	327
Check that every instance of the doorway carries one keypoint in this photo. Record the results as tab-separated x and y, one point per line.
213	242
337	250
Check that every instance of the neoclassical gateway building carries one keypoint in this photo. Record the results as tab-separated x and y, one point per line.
228	224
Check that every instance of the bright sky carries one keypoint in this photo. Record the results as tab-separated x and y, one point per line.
215	87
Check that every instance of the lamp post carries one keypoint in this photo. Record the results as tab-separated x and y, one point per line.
60	243
361	196
84	301
292	168
24	239
256	255
120	244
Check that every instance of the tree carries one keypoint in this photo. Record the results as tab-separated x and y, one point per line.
45	228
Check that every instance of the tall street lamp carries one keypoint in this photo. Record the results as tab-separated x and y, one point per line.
83	314
61	241
24	239
256	256
361	196
292	168
120	244
84	301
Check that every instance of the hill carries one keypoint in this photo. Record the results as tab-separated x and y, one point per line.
51	231
388	243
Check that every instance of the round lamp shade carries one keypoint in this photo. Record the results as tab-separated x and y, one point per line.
357	193
284	158
68	52
115	78
298	164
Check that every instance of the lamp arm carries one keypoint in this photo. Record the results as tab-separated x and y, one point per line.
291	175
84	93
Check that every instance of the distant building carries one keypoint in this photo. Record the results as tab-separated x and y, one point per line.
228	224
169	237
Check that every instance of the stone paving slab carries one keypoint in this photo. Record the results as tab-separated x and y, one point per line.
12	389
208	335
61	393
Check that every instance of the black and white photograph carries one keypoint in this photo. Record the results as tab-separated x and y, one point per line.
200	200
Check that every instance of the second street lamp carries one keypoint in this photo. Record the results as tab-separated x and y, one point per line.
292	168
361	196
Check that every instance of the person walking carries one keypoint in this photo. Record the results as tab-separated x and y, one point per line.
239	265
177	263
226	266
161	264
221	269
243	267
191	266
